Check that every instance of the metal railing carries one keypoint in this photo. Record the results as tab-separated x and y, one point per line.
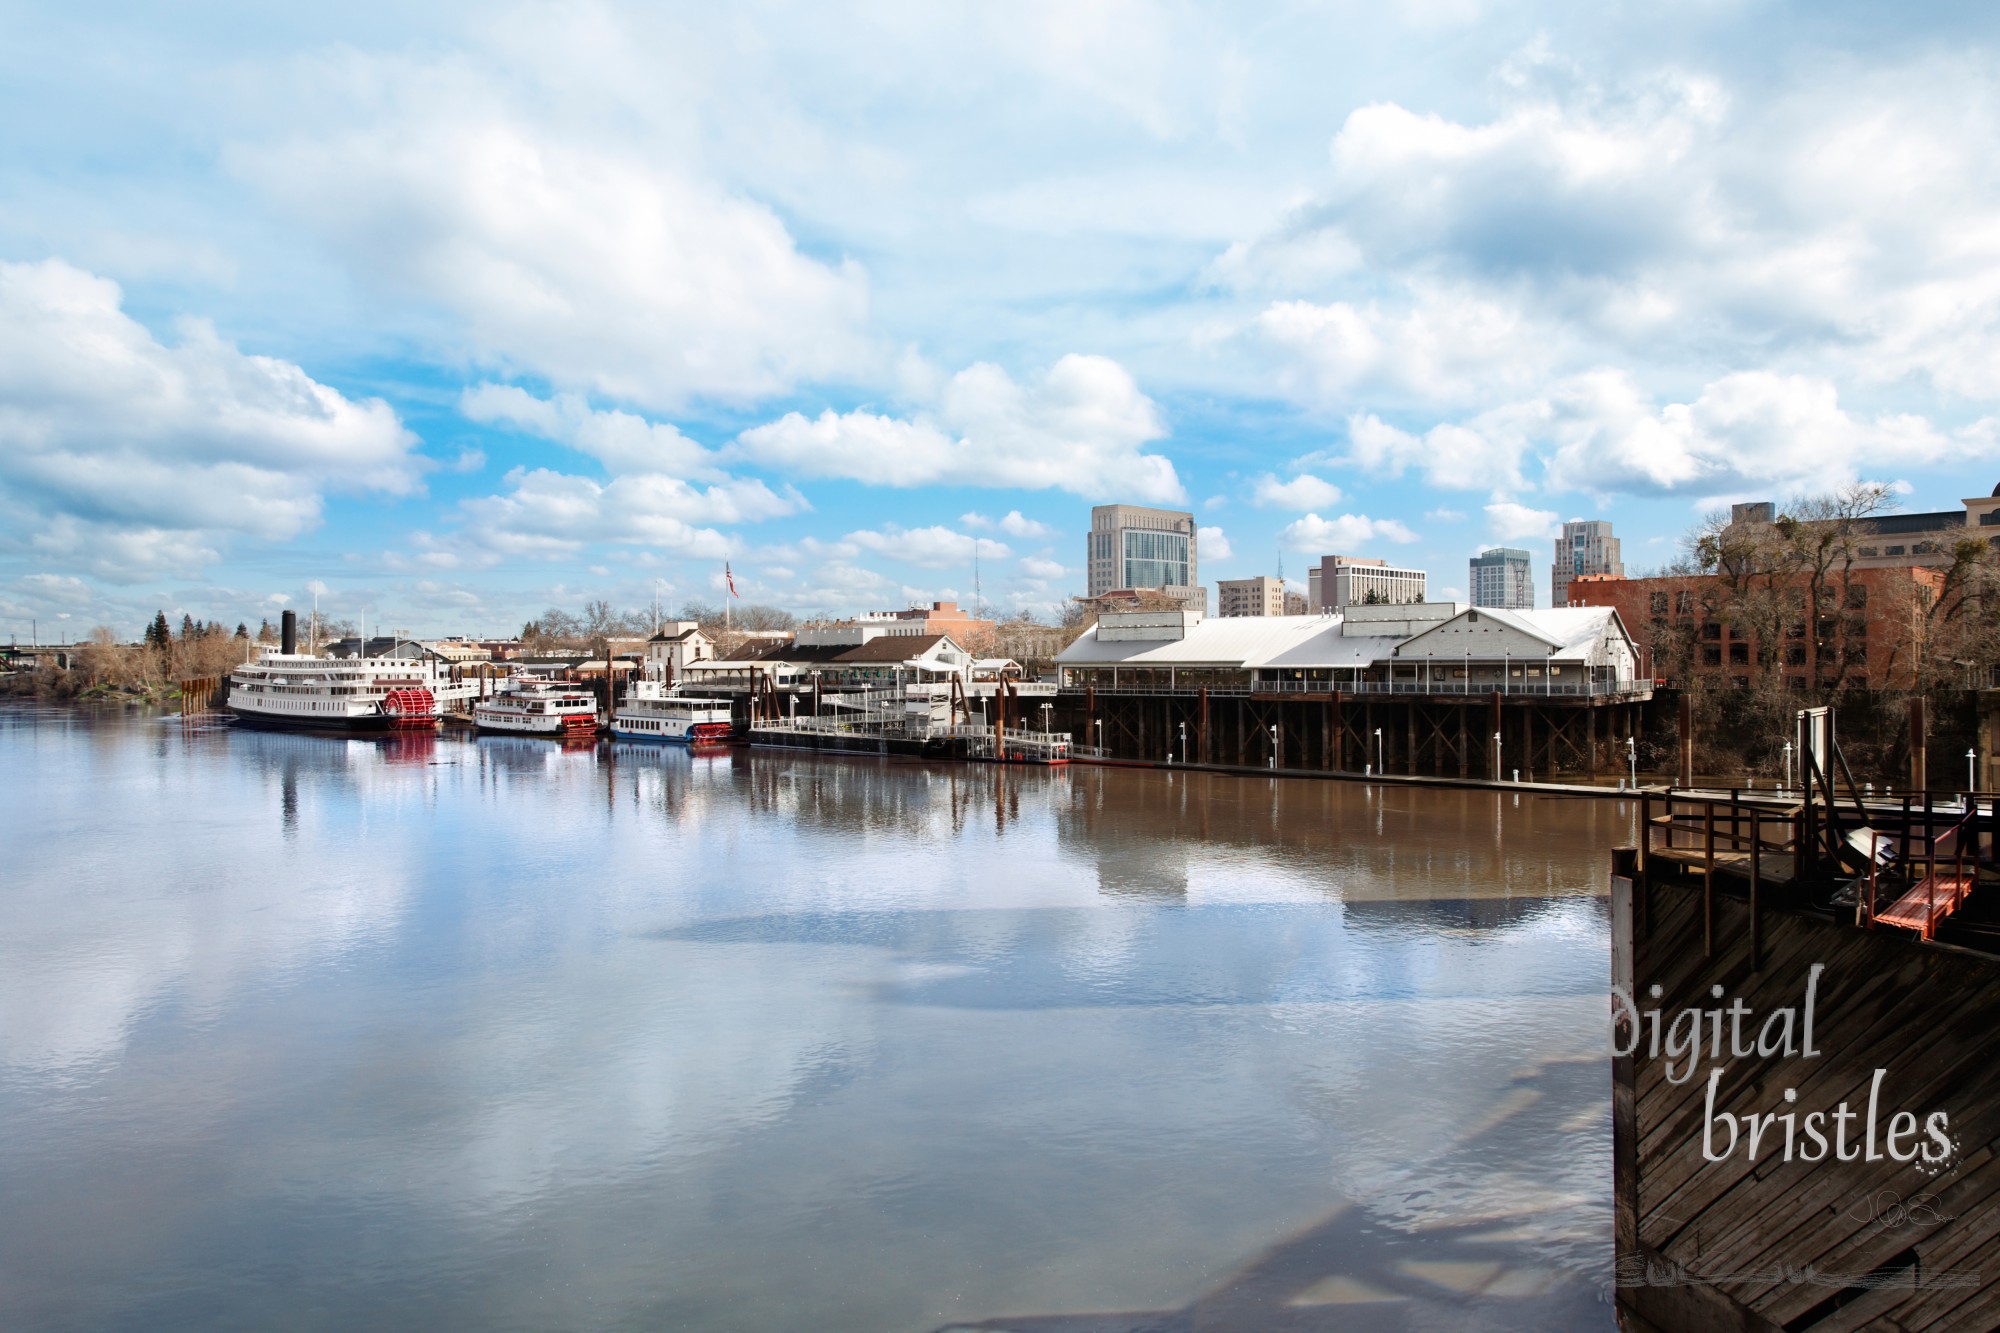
1595	689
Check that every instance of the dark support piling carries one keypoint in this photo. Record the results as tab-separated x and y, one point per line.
1756	876
1708	879
1919	768
1687	740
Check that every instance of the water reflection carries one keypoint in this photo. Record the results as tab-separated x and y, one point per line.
449	1031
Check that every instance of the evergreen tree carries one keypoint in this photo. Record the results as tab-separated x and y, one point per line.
187	627
158	636
242	630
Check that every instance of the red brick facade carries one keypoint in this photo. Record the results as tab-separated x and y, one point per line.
1698	629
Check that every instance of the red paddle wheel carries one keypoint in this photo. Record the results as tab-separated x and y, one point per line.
410	707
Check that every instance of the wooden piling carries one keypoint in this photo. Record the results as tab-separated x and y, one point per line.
1708	877
1687	740
1919	768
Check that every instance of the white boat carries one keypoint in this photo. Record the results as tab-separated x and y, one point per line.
653	712
282	689
531	707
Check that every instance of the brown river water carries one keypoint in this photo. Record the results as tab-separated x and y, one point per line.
314	1032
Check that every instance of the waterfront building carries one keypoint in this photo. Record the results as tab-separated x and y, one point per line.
1347	580
1502	577
1372	649
1132	546
1694	629
678	644
1261	596
1585	549
458	652
840	655
937	618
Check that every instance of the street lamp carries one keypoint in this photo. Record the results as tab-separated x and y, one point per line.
1788	765
1381	765
1496	756
1100	735
1045	715
1972	770
1183	742
1274	745
1632	759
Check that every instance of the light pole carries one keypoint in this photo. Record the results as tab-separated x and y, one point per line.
1788	765
1183	742
1381	766
1496	756
1972	770
1632	759
1100	736
1045	716
1274	746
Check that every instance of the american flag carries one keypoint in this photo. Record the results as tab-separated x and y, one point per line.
730	579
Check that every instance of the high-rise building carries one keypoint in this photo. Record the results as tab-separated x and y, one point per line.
1346	580
1313	604
1261	596
1585	547
1131	546
1502	577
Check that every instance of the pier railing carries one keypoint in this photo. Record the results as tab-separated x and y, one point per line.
1606	689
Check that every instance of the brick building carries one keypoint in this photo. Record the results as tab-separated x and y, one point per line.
1693	629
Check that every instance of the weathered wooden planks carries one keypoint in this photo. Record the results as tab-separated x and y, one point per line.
1778	1238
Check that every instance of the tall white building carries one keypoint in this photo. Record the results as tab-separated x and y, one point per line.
1503	577
1131	546
1585	547
1346	580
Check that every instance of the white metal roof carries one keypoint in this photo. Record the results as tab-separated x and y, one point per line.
1299	642
1236	642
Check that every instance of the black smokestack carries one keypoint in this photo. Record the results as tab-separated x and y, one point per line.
289	631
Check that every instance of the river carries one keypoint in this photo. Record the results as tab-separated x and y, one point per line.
451	1033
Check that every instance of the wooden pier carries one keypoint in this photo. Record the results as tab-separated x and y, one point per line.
1762	1238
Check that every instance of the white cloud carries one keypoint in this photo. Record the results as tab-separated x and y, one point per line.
1512	521
1082	428
1749	428
1343	534
599	270
1835	224
1481	455
1037	568
1211	544
621	441
1304	491
130	456
1013	524
932	547
1451	346
549	514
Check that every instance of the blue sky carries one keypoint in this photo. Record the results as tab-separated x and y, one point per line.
462	311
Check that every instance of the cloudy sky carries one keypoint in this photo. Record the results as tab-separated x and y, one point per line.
458	312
